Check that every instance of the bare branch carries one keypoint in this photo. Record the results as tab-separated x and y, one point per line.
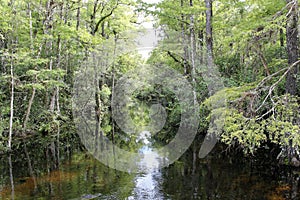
276	83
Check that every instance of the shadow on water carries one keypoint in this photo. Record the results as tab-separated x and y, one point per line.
32	173
226	178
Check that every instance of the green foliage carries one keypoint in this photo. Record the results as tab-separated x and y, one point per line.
281	127
48	122
127	62
249	44
228	95
105	93
248	34
46	44
3	125
245	133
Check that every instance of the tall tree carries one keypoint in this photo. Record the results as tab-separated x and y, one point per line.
209	35
11	104
193	52
292	43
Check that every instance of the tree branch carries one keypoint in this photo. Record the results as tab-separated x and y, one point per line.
181	61
276	83
104	17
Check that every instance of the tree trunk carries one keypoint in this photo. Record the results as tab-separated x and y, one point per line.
78	15
193	54
184	42
49	44
29	109
97	97
281	35
292	44
113	88
93	18
11	178
11	104
33	90
30	168
209	38
26	119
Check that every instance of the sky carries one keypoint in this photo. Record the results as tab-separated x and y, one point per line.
148	41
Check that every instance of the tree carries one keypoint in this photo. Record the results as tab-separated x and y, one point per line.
11	104
209	34
292	43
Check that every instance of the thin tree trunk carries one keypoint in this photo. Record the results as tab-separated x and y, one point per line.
30	167
11	105
49	169
33	90
57	100
52	103
112	121
113	85
54	154
112	98
32	97
55	96
183	36
209	37
29	109
281	35
12	94
49	46
78	15
11	177
57	90
193	54
292	46
58	145
97	98
201	44
58	61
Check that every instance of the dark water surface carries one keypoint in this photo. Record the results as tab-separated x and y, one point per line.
37	174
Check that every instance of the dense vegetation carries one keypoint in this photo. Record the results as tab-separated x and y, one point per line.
253	43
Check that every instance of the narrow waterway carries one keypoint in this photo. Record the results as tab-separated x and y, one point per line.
147	182
78	175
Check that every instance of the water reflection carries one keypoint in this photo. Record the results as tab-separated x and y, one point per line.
147	184
80	176
150	158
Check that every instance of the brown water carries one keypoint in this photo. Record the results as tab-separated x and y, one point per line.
37	173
